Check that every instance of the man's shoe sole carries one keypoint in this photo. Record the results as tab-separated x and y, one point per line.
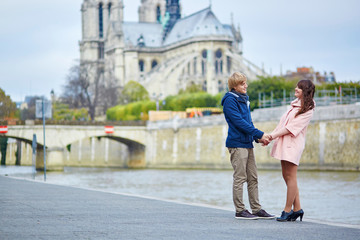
266	217
245	218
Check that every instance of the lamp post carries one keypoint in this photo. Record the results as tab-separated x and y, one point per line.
52	94
157	97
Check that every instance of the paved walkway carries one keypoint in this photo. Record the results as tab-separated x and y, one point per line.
34	210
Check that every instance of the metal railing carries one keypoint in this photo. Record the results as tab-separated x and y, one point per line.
322	98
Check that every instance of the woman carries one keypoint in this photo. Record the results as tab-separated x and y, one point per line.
289	136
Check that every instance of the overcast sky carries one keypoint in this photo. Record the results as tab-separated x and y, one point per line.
39	38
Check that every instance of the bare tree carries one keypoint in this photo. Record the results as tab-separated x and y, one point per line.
87	87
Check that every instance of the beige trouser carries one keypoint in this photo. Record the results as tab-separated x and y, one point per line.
243	163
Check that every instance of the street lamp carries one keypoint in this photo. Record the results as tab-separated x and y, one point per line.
157	98
52	94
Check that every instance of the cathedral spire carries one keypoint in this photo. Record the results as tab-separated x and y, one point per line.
173	11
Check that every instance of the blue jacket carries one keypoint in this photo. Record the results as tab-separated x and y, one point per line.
242	132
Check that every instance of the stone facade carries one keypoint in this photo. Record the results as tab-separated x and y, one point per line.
163	52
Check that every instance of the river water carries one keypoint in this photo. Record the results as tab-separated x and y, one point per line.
325	196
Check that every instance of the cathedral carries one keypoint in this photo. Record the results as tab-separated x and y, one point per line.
163	51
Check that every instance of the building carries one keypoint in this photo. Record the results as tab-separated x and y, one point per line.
309	73
163	51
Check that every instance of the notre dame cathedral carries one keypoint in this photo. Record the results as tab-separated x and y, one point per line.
163	51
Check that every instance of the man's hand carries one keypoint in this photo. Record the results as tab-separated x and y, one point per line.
265	139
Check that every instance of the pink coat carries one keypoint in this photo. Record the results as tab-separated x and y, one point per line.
290	147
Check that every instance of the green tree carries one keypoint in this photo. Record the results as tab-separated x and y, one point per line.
267	85
7	107
133	92
62	111
193	88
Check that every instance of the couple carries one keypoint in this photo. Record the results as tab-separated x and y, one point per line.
289	143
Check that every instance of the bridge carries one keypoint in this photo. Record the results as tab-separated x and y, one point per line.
59	137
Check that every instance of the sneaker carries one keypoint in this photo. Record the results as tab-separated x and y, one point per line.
264	215
245	215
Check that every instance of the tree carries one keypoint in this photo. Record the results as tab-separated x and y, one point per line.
62	112
7	107
268	85
192	88
87	87
133	92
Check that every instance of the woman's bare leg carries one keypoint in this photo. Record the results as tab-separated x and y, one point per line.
289	171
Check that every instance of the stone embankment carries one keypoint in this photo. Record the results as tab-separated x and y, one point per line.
333	140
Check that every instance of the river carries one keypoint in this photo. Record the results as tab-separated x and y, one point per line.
325	196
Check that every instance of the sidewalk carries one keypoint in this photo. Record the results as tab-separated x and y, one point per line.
35	210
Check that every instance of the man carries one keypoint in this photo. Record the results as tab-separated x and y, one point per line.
239	142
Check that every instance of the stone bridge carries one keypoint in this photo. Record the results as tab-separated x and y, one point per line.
59	137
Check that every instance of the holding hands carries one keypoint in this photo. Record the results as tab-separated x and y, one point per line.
266	139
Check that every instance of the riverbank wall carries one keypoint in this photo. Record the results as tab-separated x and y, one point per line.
332	143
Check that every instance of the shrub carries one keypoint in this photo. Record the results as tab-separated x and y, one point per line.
130	112
189	100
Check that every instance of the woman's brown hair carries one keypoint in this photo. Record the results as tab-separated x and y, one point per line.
308	91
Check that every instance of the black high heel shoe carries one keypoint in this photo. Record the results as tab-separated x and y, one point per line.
297	214
285	216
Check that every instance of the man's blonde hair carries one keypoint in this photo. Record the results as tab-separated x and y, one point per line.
235	79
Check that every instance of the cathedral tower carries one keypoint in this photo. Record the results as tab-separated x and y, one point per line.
173	8
171	16
96	16
151	10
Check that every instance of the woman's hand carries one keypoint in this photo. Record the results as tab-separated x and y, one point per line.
265	139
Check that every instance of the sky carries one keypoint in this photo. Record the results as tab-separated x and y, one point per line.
40	38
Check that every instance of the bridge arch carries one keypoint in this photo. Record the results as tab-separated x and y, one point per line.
95	151
20	154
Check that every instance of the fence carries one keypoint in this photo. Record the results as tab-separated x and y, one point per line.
322	98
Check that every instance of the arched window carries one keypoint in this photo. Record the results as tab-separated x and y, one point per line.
158	14
141	66
218	62
153	63
195	59
101	50
109	9
204	53
220	86
228	60
203	62
101	27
